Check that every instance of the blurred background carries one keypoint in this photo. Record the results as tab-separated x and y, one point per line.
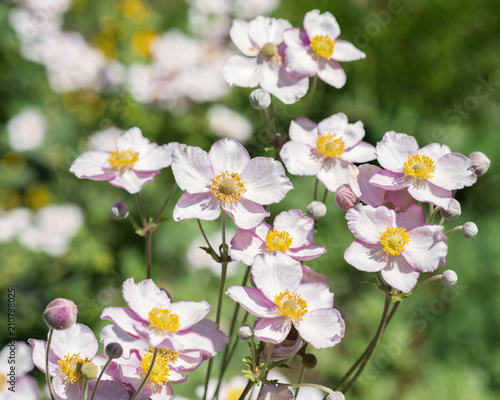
75	74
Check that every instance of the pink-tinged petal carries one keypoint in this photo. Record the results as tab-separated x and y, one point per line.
399	274
296	38
211	330
111	333
333	173
202	206
362	152
273	330
132	139
316	295
262	230
346	51
192	169
242	71
400	198
393	150
39	353
245	245
189	312
287	87
252	300
453	171
366	257
299	226
435	151
143	296
317	24
133	181
307	252
165	392
338	123
359	181
107	389
92	165
412	218
228	155
322	328
187	341
78	338
155	157
245	213
125	319
427	248
264	30
299	61
330	72
276	272
63	390
305	131
300	158
425	191
275	391
391	180
367	223
312	276
265	181
239	36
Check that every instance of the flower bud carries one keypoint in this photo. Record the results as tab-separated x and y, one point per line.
480	163
113	350
450	277
453	211
89	371
345	197
245	332
309	361
469	230
316	210
335	396
119	210
260	99
60	314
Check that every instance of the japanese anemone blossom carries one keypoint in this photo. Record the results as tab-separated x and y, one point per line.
159	322
293	235
226	177
281	301
134	163
316	50
326	149
261	42
399	245
430	174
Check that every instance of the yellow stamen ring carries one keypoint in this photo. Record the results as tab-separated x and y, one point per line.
278	240
419	166
227	187
290	305
330	146
394	240
323	46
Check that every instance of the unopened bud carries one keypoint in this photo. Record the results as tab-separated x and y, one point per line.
119	210
316	210
469	230
113	350
309	361
260	99
450	277
453	211
480	163
60	314
245	332
345	198
89	371
335	396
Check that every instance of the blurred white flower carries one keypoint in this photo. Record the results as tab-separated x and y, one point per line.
228	123
104	140
249	9
13	222
26	130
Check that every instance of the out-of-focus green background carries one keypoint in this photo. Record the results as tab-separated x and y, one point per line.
431	70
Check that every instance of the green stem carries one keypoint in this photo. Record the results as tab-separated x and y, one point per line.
324	196
100	376
147	375
433	213
263	372
246	390
432	278
85	388
457	228
141	211
47	375
147	236
205	237
311	95
169	196
316	189
273	114
302	371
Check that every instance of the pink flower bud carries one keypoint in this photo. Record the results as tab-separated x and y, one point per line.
480	163
345	198
453	211
60	314
469	230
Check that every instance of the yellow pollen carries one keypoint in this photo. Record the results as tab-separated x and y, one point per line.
419	167
3	381
290	305
394	240
163	320
160	371
71	366
329	146
278	240
123	159
269	49
323	46
228	187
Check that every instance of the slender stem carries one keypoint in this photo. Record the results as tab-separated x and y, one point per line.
457	228
205	237
169	196
100	376
147	245
441	221
133	222
263	372
267	124
85	388
141	210
147	375
324	196
353	367
432	278
302	371
373	345
47	374
314	385
316	189
273	114
393	311
207	377
311	95
433	213
246	390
